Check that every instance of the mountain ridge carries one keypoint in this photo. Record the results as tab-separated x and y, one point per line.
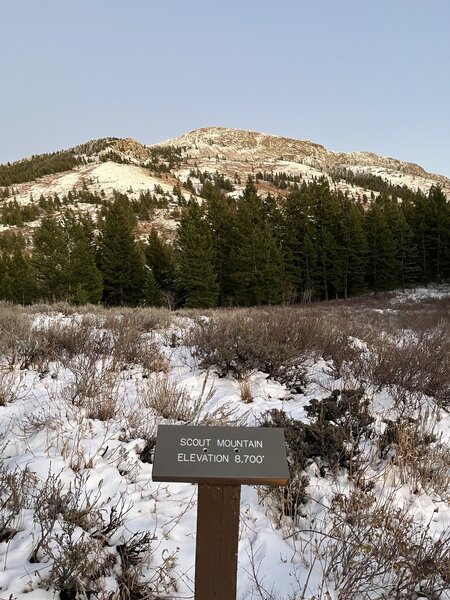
176	168
292	148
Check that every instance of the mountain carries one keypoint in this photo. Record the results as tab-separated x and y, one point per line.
246	152
91	173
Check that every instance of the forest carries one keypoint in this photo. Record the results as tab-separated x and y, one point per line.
313	244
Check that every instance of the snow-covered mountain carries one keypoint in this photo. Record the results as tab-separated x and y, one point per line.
127	166
263	151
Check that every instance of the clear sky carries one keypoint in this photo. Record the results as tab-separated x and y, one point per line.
349	74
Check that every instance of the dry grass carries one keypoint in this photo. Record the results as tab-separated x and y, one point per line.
417	456
245	390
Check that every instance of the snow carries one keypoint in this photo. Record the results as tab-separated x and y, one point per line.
108	176
277	558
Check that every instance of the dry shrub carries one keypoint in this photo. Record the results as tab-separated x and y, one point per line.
412	366
93	386
73	533
130	347
277	341
104	406
245	390
124	339
15	336
10	387
63	341
172	402
378	550
77	336
166	399
26	347
133	554
15	496
335	340
428	314
418	456
142	319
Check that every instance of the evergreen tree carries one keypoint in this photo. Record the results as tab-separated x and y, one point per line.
407	268
299	246
17	280
351	248
256	258
153	296
51	261
382	266
197	280
329	267
160	259
5	279
120	259
221	212
22	277
84	275
437	234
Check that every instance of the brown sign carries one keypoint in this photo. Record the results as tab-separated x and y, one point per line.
220	455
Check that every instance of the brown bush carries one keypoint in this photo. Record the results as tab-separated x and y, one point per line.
417	456
15	336
379	550
412	366
130	346
15	495
277	341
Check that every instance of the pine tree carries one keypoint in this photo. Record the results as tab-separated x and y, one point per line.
329	267
84	275
407	268
5	279
382	266
437	234
51	261
160	259
351	248
299	246
197	279
22	276
221	213
120	259
17	279
153	295
256	257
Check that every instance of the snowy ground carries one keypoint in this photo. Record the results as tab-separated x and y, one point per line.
53	430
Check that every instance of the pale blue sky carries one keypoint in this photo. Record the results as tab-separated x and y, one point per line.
349	74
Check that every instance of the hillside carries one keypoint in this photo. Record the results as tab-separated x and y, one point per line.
272	220
129	167
245	152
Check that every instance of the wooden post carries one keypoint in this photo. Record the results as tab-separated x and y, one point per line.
217	542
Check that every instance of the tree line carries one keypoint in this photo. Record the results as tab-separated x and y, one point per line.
313	244
37	166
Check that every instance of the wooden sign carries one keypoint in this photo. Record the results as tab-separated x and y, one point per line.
222	455
220	460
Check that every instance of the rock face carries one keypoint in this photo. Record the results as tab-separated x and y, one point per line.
244	152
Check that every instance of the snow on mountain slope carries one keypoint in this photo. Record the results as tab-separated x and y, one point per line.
107	176
220	148
129	167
